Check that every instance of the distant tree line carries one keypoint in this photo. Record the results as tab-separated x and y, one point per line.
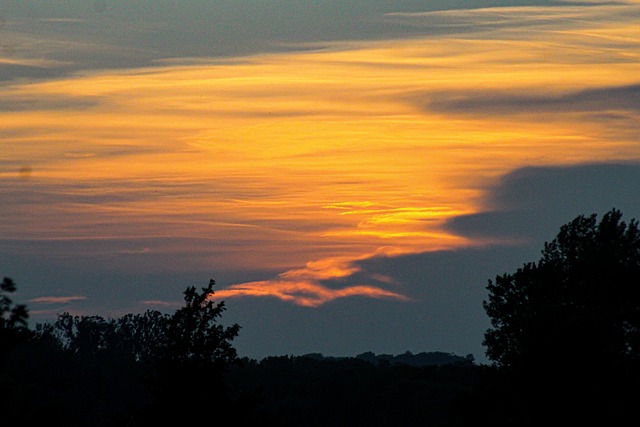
564	344
431	358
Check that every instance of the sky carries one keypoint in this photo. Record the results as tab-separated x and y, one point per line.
351	174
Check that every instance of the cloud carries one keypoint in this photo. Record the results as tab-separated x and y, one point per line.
132	35
306	286
14	102
304	293
494	17
57	300
532	203
484	102
161	304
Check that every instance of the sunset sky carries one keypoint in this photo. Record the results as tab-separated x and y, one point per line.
350	173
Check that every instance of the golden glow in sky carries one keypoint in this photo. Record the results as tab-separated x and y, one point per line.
307	161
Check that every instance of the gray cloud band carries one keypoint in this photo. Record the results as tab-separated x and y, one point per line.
625	97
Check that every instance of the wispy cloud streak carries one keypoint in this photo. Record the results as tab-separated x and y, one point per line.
304	293
305	286
601	99
57	300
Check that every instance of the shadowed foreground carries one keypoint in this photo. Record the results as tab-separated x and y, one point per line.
565	342
143	369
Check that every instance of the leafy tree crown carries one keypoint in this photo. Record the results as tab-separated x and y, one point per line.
579	304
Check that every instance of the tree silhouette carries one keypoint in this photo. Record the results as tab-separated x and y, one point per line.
193	334
190	335
138	369
195	355
13	321
568	327
12	316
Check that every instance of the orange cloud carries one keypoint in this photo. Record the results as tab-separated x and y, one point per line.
304	286
304	293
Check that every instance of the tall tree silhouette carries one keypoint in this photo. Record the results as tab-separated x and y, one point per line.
196	355
567	328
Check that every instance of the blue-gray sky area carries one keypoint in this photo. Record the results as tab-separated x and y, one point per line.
351	174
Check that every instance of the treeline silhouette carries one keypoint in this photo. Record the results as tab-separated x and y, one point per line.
432	358
146	368
564	344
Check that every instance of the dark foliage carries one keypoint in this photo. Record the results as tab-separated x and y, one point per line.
190	369
432	358
13	322
349	391
134	370
567	328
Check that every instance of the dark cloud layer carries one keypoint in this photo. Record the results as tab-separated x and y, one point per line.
46	103
18	71
485	16
601	99
125	34
532	203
